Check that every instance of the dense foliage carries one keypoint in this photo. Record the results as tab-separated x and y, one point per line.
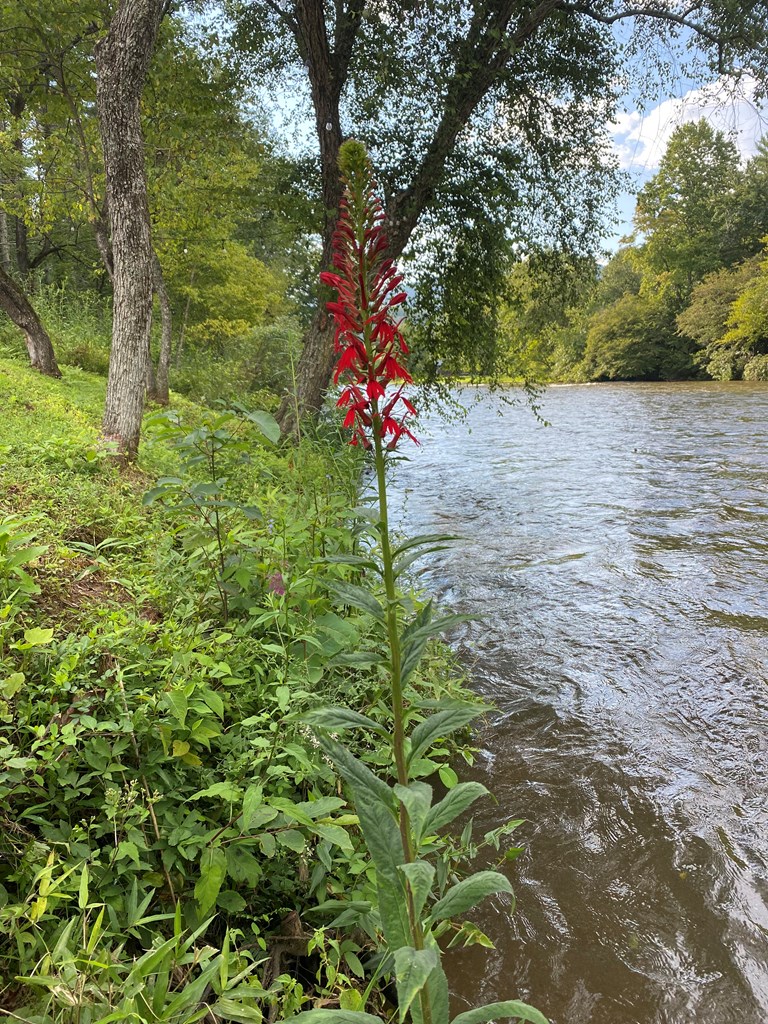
684	298
171	830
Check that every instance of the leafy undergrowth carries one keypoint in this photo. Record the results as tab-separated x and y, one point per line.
173	844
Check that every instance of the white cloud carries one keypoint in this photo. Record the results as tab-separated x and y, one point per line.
640	139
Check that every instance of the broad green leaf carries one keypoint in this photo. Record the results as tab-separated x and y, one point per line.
420	875
266	423
226	790
448	776
127	849
334	1017
321	807
458	800
336	719
334	834
38	637
10	687
498	1011
213	870
468	893
412	968
351	999
234	1010
292	839
255	812
440	725
357	597
177	704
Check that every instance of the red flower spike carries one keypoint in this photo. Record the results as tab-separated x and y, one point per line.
370	343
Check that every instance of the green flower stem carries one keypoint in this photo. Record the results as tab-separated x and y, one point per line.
398	703
393	634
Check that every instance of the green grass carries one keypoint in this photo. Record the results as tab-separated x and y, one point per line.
153	761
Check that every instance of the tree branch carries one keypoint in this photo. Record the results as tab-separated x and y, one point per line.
659	13
470	82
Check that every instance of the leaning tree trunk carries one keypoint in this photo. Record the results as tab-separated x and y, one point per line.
122	61
160	389
15	303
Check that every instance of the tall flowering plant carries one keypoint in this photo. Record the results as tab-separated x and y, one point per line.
399	818
368	339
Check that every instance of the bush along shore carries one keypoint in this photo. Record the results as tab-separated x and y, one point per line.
183	646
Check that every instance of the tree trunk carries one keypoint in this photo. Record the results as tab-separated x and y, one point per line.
22	247
5	243
327	72
184	319
15	303
160	390
122	61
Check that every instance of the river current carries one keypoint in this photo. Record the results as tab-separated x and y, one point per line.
617	561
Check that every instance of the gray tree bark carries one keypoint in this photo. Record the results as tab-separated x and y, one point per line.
5	244
122	62
14	302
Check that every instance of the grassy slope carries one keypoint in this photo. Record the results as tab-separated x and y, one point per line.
136	629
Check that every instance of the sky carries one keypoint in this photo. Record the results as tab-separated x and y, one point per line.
640	136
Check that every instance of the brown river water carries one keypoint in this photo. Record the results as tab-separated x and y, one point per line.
618	563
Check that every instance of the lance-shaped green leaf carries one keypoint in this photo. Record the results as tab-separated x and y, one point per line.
417	800
423	540
213	871
412	969
406	560
420	875
337	719
439	725
451	806
467	893
334	1017
437	987
357	597
511	1008
358	659
359	560
358	774
418	633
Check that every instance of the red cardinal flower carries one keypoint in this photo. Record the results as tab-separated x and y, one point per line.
368	340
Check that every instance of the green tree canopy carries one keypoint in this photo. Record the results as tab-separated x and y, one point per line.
686	210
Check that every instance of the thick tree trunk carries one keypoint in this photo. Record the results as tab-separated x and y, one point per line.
122	61
490	40
327	72
15	303
160	390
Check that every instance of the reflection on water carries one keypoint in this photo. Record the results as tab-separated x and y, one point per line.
619	562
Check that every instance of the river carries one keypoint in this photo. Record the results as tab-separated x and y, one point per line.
618	562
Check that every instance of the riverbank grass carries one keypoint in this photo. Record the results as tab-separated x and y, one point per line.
171	836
